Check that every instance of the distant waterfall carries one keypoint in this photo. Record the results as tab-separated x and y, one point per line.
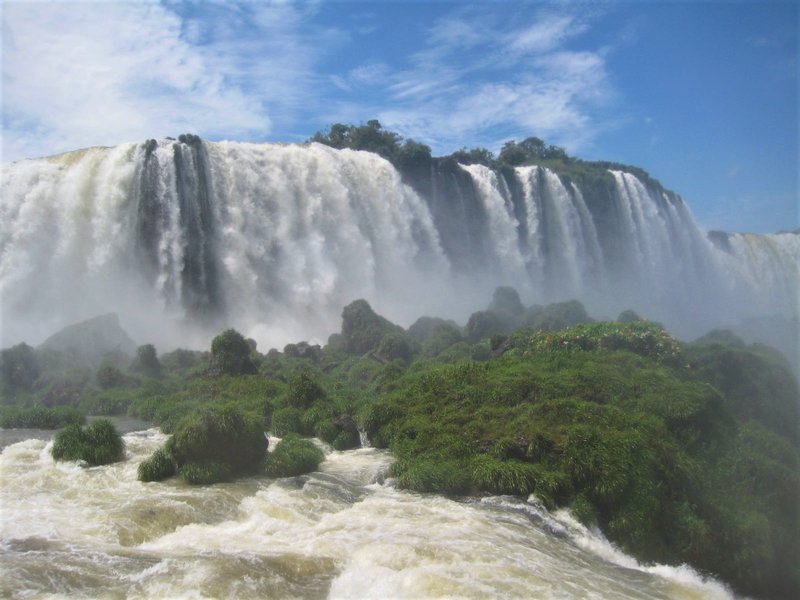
184	237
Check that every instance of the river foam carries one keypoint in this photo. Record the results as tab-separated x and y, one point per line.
336	533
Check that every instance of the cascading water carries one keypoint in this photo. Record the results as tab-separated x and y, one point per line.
272	239
73	532
561	237
185	238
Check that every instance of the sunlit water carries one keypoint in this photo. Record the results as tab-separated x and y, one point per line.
341	532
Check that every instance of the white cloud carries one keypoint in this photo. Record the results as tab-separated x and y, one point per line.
370	73
544	34
78	73
511	81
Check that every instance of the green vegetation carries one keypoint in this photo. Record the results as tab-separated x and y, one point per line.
292	456
230	355
146	362
158	467
411	156
98	444
372	137
18	369
362	329
40	417
214	436
206	472
622	422
678	452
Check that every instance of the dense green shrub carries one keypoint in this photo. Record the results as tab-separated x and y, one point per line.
292	456
109	376
326	430
606	417
19	368
287	420
40	417
205	472
146	361
182	360
505	476
98	444
394	346
640	337
756	382
158	467
303	391
558	316
220	434
432	473
230	355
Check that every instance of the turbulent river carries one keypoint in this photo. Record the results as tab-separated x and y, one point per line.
341	532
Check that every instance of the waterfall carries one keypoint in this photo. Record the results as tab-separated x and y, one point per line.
183	238
501	241
564	253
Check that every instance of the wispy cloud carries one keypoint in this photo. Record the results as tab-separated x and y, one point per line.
481	79
88	73
84	73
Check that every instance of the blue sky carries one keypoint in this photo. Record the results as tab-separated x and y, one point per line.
703	95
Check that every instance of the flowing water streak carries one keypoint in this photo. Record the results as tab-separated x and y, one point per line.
501	225
335	533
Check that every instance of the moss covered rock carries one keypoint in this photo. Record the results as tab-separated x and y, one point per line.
206	472
363	329
98	444
158	467
292	456
219	435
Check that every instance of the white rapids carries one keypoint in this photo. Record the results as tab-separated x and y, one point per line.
341	532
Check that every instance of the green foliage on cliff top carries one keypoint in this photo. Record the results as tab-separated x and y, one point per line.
372	137
411	156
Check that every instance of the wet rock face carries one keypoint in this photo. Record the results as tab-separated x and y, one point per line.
93	340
